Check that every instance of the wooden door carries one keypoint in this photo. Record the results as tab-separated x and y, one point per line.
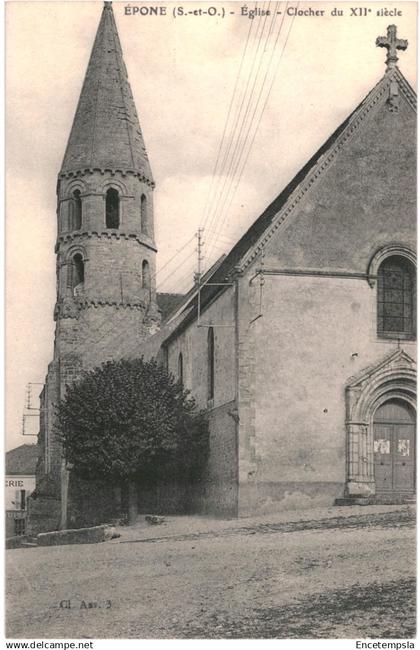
394	448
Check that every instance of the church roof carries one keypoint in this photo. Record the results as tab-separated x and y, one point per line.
106	131
168	302
254	239
22	460
244	252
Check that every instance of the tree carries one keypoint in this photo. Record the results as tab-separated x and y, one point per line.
129	419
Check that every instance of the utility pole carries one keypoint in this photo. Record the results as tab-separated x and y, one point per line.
200	256
30	411
200	259
199	284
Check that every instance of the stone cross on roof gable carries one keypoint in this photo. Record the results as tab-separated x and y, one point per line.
392	44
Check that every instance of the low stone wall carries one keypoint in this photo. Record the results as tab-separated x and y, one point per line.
16	541
43	514
77	536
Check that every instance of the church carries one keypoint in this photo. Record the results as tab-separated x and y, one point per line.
299	343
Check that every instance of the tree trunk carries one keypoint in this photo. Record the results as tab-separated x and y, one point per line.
64	494
132	502
118	501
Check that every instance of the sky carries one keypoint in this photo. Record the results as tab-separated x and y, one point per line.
191	77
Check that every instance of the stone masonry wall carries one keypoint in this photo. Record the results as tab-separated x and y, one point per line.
106	316
220	489
316	331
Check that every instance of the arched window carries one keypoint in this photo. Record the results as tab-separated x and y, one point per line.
112	209
396	298
210	363
145	276
143	214
78	273
165	357
77	210
180	368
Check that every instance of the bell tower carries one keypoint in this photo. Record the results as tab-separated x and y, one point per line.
105	250
105	245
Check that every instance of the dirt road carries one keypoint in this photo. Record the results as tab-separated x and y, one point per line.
345	580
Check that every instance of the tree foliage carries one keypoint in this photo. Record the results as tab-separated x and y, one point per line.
130	420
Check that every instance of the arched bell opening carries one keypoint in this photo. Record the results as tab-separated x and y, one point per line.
78	274
112	208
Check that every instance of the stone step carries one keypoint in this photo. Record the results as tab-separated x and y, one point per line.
377	500
387	499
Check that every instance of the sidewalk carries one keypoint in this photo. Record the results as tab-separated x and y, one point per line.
179	526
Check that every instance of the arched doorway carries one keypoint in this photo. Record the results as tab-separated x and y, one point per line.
380	415
394	448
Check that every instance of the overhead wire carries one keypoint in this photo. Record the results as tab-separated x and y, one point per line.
173	257
234	127
182	281
241	145
215	168
221	224
238	122
179	266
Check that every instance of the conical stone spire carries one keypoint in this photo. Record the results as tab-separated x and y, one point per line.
106	133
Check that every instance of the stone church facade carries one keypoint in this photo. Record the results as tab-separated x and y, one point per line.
304	355
300	343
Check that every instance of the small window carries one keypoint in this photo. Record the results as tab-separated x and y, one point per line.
396	298
78	273
145	275
143	214
77	210
180	368
112	209
23	499
210	364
